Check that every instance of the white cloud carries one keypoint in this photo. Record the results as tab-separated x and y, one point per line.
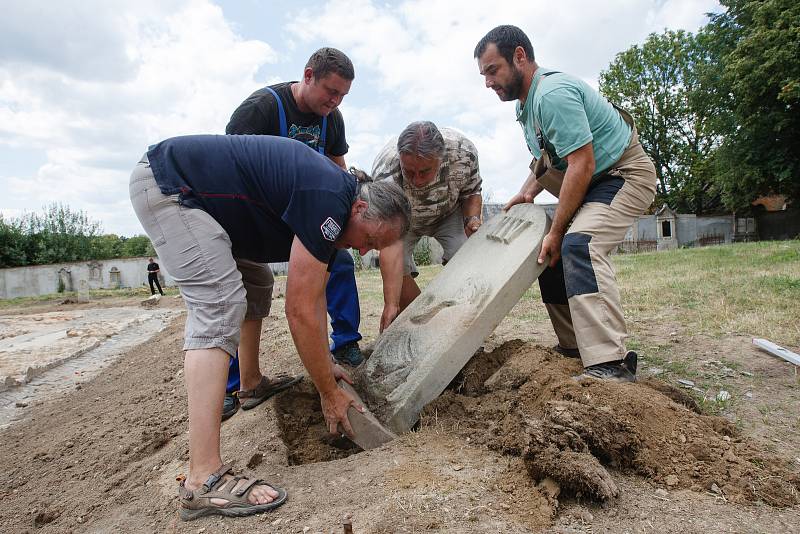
418	59
185	72
90	84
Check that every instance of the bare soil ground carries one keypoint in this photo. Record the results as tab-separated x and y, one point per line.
512	446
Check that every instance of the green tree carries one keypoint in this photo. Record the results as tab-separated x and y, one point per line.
657	82
59	234
138	245
756	47
107	246
12	244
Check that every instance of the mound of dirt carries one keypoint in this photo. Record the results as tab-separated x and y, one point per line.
520	400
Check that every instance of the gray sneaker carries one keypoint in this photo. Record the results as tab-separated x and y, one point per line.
229	406
617	371
349	354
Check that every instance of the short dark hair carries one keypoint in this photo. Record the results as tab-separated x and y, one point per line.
506	38
330	60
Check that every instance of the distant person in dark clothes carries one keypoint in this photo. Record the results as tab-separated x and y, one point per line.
152	276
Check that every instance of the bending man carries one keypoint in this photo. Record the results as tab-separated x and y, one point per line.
439	173
206	200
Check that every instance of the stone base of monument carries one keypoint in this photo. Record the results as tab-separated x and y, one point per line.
368	432
431	341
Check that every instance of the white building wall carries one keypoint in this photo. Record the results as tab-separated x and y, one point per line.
38	280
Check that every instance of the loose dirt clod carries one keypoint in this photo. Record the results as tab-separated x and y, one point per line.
574	432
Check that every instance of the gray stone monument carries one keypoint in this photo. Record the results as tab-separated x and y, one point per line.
114	278
83	291
432	340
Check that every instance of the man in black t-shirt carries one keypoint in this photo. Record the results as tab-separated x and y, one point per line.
305	110
152	276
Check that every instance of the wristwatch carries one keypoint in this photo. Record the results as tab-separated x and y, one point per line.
471	218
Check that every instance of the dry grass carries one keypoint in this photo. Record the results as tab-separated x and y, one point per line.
94	294
750	289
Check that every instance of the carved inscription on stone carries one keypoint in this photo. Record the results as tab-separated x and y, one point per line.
508	229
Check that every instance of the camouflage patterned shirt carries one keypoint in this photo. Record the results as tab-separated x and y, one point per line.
458	178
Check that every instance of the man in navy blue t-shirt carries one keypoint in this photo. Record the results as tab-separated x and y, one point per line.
206	200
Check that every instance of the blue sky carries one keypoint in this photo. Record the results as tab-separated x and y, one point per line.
86	86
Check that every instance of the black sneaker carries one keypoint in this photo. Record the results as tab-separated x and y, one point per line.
229	406
349	354
569	353
631	361
617	371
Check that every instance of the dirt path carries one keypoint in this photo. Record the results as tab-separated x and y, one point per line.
104	458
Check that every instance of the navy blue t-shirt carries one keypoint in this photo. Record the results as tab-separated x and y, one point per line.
262	190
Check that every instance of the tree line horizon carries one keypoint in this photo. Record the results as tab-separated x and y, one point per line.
718	111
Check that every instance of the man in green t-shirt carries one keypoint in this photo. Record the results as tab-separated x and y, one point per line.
587	153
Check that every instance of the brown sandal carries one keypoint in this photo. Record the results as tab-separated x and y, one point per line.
266	389
197	503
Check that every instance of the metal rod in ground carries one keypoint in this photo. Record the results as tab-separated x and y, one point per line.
777	350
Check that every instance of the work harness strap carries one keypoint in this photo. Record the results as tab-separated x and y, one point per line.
284	130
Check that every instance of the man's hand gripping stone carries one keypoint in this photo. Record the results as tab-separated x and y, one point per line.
335	404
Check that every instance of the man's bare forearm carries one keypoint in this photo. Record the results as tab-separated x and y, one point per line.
307	325
391	264
305	313
529	190
471	206
531	186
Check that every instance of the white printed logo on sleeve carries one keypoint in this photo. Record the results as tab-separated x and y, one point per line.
330	229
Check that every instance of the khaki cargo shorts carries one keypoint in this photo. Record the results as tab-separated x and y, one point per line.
219	290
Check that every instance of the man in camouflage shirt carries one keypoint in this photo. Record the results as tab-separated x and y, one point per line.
438	171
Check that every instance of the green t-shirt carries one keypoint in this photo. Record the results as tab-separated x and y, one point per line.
570	114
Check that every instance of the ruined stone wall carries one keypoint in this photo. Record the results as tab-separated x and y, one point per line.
721	225
38	280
